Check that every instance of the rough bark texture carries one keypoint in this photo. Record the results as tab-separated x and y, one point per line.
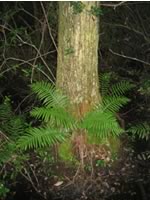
77	73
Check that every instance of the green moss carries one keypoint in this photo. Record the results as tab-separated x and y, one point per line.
114	144
66	153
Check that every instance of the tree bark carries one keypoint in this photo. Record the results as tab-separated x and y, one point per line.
77	68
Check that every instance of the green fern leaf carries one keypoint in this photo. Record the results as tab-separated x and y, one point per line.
101	124
57	115
40	137
49	95
105	83
140	130
5	111
119	89
113	104
11	124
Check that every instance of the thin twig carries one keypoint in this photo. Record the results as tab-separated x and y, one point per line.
28	178
129	57
31	15
25	62
131	29
40	46
113	5
49	29
24	99
34	47
33	172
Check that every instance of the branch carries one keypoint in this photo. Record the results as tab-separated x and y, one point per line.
31	45
128	57
131	29
39	49
2	135
24	62
113	5
49	29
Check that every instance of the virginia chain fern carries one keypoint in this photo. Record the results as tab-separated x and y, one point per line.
141	130
58	123
56	120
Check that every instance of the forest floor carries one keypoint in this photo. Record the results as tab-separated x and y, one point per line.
127	179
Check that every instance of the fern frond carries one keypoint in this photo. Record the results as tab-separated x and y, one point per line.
105	83
59	99
140	130
58	115
6	151
11	124
120	88
15	127
101	124
113	104
40	137
49	95
5	111
42	89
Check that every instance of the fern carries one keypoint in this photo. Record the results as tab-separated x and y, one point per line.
57	115
11	124
119	89
105	83
5	111
6	151
40	137
53	113
102	124
49	95
140	130
116	90
113	104
102	121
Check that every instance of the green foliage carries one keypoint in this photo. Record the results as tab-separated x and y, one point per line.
100	163
5	109
40	137
97	11
105	83
10	124
45	155
78	7
3	190
142	131
56	116
113	104
102	120
6	151
117	89
69	51
102	124
50	96
58	123
11	127
55	105
12	161
145	86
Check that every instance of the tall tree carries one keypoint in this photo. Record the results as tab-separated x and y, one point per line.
77	69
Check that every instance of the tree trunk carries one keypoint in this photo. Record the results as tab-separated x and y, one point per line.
77	69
